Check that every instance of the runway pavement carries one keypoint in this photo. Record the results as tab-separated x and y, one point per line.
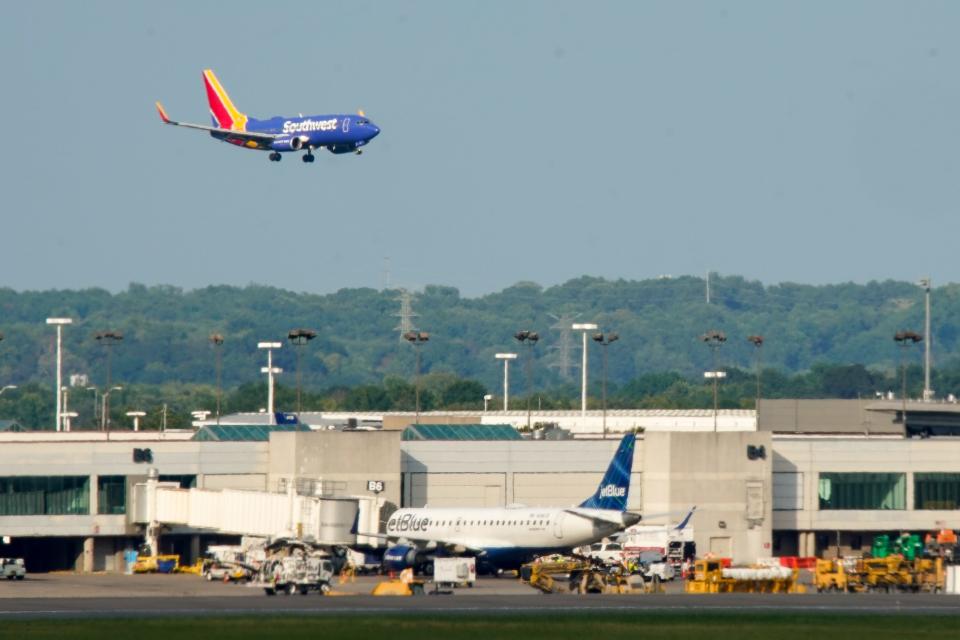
83	596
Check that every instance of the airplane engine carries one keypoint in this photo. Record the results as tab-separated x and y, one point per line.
294	143
399	557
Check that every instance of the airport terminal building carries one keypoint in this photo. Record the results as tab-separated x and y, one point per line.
801	477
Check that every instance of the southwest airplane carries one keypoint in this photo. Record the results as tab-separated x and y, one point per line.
339	133
506	537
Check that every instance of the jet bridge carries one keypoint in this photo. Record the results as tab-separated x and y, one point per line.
322	519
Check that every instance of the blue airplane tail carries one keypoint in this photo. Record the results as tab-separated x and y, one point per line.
615	486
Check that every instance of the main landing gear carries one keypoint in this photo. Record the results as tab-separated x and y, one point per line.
308	157
275	156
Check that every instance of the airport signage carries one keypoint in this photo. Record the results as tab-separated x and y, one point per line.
375	486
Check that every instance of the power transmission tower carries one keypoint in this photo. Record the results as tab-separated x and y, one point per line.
562	358
406	313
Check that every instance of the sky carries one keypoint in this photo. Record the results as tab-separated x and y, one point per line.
813	142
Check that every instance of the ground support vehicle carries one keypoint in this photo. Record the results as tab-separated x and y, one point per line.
12	568
156	564
454	572
891	573
227	572
294	567
576	575
710	576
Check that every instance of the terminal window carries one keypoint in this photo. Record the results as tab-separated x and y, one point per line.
111	495
44	495
863	491
936	490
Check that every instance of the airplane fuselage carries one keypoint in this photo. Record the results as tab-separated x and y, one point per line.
340	133
507	536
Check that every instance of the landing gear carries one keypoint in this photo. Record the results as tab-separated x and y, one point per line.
308	157
274	156
359	152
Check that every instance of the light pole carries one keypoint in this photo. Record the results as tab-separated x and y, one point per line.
96	404
217	341
300	337
486	402
714	339
136	415
604	341
108	339
9	387
270	370
584	327
905	339
59	323
927	391
757	342
506	357
530	338
417	339
106	403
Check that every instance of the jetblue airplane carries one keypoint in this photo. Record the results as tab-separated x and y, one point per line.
337	133
507	537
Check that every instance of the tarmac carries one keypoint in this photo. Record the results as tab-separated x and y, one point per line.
109	596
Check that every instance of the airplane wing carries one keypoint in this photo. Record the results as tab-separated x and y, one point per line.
429	545
594	516
230	134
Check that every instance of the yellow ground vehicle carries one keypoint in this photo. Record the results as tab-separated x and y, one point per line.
156	564
579	576
892	573
710	576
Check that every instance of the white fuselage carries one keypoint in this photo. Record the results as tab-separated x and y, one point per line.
505	527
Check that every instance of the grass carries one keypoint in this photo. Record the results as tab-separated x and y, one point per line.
648	626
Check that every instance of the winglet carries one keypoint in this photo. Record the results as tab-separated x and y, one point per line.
163	114
683	523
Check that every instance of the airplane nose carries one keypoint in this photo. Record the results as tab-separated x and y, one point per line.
374	131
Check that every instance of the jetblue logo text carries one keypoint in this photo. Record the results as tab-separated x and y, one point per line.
612	491
408	523
310	125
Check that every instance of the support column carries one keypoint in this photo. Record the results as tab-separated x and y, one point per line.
194	548
94	494
87	555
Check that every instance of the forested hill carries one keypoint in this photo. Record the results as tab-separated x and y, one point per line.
659	321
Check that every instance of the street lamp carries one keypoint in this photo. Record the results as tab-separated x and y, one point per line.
96	403
905	339
486	401
927	391
506	357
529	338
59	323
585	327
9	387
417	338
270	370
108	339
136	415
300	337
714	339
757	342
217	341
604	341
106	403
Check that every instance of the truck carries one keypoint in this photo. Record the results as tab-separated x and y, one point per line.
293	566
12	568
454	572
607	553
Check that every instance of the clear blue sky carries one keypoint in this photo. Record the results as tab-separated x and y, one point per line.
806	141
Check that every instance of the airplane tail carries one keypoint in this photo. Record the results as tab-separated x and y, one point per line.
225	115
615	486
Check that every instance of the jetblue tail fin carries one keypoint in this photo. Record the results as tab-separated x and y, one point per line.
615	486
225	115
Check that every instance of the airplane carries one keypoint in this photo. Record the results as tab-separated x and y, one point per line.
506	537
338	133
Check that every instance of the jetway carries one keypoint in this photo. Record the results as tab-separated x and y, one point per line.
321	519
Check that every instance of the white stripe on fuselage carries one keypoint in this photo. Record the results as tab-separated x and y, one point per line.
481	528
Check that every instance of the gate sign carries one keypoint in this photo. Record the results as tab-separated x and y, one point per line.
376	486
